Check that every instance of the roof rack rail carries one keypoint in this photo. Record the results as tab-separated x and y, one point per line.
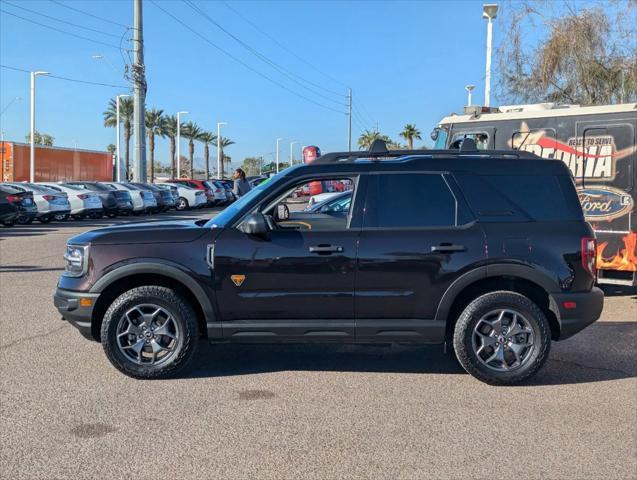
378	153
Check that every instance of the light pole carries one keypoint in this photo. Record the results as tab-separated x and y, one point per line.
32	158
489	12
118	159
179	114
291	153
469	89
277	154
99	56
219	172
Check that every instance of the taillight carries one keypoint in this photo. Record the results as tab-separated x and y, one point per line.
589	254
13	199
83	196
48	198
218	190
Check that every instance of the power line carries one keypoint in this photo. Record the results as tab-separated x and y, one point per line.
68	79
60	30
205	39
61	21
257	28
89	14
290	75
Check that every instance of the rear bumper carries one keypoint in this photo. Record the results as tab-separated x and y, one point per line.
578	310
68	304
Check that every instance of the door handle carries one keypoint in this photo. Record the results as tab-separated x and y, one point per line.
326	249
448	248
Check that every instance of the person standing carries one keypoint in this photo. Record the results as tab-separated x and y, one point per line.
241	185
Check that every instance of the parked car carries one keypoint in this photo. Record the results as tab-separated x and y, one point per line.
188	196
143	200
16	206
197	185
83	203
164	198
219	190
229	186
114	201
50	204
492	257
331	203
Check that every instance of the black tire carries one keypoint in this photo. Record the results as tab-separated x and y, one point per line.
24	220
111	214
79	217
476	310
8	223
44	219
182	204
95	215
61	217
169	300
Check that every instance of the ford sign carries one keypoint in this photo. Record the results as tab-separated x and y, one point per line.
604	203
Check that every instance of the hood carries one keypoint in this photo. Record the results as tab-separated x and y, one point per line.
147	232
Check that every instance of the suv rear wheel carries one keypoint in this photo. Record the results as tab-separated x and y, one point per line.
150	332
502	338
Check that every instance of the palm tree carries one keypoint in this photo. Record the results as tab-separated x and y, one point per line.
222	142
170	132
155	125
207	138
368	136
409	133
191	131
125	117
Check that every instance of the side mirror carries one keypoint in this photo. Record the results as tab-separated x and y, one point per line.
256	224
434	134
282	212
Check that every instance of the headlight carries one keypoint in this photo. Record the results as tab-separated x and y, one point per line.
75	260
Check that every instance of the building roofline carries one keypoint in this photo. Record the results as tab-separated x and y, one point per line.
59	148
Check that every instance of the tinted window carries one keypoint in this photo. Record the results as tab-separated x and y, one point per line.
410	201
522	197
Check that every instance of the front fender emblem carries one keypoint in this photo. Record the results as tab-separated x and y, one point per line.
238	279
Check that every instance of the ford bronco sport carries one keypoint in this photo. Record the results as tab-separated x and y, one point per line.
487	252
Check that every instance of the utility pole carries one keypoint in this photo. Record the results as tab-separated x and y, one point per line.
349	127
292	152
277	154
139	94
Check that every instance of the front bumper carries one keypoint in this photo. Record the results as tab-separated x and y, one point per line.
578	310
68	304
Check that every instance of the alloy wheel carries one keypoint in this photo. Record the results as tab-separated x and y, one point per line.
503	340
148	334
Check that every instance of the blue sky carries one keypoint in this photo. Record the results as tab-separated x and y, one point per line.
407	62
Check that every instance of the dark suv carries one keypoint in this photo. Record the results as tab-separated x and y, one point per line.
485	251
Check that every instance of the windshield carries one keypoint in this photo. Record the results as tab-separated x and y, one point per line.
230	212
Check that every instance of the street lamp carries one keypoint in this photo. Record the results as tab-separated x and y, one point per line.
291	153
118	159
219	172
277	154
32	159
469	89
179	114
489	12
102	57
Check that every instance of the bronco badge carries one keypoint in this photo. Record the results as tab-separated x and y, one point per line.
238	279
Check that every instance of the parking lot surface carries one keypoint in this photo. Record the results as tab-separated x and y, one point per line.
298	411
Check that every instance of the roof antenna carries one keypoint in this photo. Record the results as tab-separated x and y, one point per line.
378	146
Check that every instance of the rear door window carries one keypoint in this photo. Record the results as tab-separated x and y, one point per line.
410	200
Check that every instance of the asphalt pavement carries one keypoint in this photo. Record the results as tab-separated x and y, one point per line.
316	412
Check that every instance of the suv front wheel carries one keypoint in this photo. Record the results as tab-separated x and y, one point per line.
150	332
502	338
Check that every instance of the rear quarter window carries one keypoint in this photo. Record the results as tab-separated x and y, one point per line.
521	197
